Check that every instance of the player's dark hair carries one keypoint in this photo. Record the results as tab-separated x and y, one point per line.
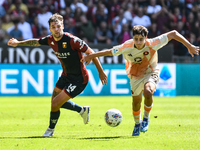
141	30
55	17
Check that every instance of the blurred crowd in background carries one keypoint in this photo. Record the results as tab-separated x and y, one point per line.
101	21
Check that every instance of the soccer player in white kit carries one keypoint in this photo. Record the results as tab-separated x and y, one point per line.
141	58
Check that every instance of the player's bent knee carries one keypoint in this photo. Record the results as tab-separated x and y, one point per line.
148	93
54	107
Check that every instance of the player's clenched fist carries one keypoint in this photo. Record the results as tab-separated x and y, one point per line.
13	42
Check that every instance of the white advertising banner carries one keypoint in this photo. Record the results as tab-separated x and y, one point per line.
39	80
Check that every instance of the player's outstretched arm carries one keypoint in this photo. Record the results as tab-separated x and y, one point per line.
31	42
192	49
103	77
92	55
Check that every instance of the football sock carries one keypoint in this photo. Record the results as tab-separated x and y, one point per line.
72	106
147	110
137	116
53	119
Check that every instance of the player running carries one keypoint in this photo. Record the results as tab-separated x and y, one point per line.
141	58
74	78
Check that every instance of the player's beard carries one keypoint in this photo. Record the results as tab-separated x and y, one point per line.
58	35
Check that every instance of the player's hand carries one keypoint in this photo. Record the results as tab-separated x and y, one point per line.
193	50
86	59
103	77
13	42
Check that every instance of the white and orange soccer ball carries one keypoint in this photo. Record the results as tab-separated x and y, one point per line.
113	117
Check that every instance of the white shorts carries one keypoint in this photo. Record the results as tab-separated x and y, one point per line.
137	85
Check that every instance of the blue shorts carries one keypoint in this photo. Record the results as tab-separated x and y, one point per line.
71	88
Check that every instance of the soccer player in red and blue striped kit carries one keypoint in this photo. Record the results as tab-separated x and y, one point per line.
68	49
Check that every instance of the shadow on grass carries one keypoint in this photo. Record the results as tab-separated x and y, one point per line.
80	138
105	138
28	137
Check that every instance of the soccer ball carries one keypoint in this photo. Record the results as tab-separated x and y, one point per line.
113	117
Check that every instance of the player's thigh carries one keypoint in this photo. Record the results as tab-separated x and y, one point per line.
60	84
137	86
70	90
56	91
59	100
151	82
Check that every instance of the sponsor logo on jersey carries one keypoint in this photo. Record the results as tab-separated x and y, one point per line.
138	59
64	44
52	43
115	50
62	55
130	55
145	53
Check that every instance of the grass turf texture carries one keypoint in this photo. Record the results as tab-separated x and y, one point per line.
174	125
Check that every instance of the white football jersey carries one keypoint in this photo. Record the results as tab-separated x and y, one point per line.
140	62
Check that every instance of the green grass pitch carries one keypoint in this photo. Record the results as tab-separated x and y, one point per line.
174	125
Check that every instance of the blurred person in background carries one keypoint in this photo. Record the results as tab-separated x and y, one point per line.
70	26
179	48
99	6
33	8
6	4
142	3
53	6
36	28
3	33
44	32
163	19
188	5
141	19
18	8
87	31
77	20
16	33
114	9
77	14
189	24
153	7
117	23
104	34
63	4
6	22
178	17
153	30
90	14
2	11
195	29
196	6
25	27
125	34
129	13
78	3
67	13
100	14
171	4
44	16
